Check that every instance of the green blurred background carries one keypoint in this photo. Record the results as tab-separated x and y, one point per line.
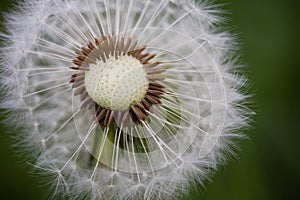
269	163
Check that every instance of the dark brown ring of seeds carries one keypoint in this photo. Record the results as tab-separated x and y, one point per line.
102	49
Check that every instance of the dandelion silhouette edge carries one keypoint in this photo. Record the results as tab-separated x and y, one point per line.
122	99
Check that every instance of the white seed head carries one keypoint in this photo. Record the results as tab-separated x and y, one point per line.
180	141
116	83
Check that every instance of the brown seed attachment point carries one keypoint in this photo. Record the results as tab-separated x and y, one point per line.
150	65
155	71
80	68
140	105
155	78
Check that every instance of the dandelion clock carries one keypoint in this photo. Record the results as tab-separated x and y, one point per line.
121	99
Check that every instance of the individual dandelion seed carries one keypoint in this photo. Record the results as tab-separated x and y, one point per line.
122	99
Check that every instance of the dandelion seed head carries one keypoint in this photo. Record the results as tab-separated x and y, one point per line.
123	99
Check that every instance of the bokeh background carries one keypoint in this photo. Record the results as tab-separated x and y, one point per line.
268	166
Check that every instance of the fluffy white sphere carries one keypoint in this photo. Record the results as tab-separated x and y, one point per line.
181	129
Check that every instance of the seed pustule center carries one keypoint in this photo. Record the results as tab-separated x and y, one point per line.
116	83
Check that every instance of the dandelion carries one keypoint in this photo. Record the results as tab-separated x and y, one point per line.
122	99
